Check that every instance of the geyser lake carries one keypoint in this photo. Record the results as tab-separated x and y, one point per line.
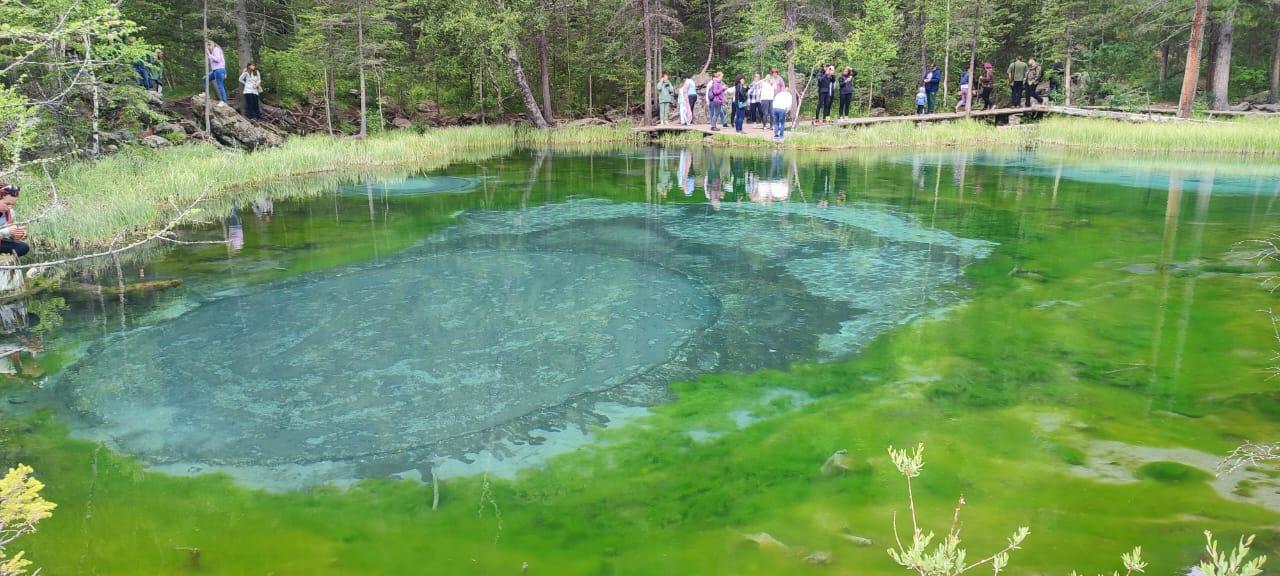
622	362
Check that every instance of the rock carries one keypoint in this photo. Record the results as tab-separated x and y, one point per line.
1015	119
857	540
117	137
153	141
1241	107
154	100
1259	98
111	148
1273	108
1019	272
878	113
837	463
765	541
592	121
819	558
232	129
402	123
170	128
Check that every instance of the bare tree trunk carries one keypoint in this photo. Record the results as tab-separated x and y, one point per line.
648	62
517	70
1274	96
482	117
364	106
1191	75
973	54
789	23
1067	81
946	60
711	42
96	135
328	94
591	95
204	50
546	75
1222	61
1210	53
920	21
1163	55
244	42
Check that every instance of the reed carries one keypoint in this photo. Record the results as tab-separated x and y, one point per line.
1244	136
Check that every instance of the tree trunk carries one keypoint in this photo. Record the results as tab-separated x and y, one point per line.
591	95
946	59
96	134
364	111
207	99
244	42
1222	61
648	62
1191	75
1274	96
1163	55
531	104
924	55
1210	52
711	35
789	30
1066	82
973	54
328	95
546	75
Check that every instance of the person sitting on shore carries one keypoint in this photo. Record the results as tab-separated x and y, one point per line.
11	236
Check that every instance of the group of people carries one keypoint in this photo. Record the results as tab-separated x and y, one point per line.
766	101
250	80
150	71
1024	78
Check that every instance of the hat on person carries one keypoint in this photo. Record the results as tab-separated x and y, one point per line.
986	65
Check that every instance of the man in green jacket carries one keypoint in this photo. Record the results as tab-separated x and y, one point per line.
1032	86
666	96
1017	78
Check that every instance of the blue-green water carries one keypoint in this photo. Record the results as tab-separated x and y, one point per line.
623	362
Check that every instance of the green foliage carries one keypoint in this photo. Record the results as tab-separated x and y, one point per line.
872	42
21	508
1235	563
1172	473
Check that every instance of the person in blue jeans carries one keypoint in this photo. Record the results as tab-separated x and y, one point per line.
781	105
715	101
740	91
217	68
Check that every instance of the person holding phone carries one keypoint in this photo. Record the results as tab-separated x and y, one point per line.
12	236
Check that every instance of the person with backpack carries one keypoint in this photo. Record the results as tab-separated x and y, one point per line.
826	84
846	90
1032	86
715	101
666	95
987	82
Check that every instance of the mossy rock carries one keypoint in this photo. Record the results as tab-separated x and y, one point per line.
1172	473
1070	455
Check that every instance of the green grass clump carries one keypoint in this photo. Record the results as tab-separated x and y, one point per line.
1172	473
1259	137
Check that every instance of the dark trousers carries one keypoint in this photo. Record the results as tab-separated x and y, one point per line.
16	247
1033	91
739	115
986	98
1017	92
766	112
932	100
824	107
252	107
845	101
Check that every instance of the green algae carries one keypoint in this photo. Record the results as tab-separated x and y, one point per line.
1110	353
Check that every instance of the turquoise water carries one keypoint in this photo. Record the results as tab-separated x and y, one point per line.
622	362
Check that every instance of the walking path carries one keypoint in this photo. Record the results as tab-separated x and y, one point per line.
757	132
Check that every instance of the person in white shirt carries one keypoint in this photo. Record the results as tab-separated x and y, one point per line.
252	82
781	105
765	92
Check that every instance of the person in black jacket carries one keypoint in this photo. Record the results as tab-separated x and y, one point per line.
826	92
846	90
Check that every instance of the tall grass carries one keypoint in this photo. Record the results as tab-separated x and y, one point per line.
961	133
1247	136
109	200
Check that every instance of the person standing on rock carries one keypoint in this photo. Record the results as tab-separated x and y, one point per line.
1017	73
666	95
252	82
156	66
217	69
11	236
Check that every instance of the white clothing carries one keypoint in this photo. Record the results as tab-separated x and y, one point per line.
782	101
252	82
765	90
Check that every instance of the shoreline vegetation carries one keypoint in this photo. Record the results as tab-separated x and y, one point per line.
111	201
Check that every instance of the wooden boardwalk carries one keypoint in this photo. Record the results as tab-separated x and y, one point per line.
995	114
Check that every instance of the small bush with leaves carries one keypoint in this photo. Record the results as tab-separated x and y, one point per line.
21	507
947	558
